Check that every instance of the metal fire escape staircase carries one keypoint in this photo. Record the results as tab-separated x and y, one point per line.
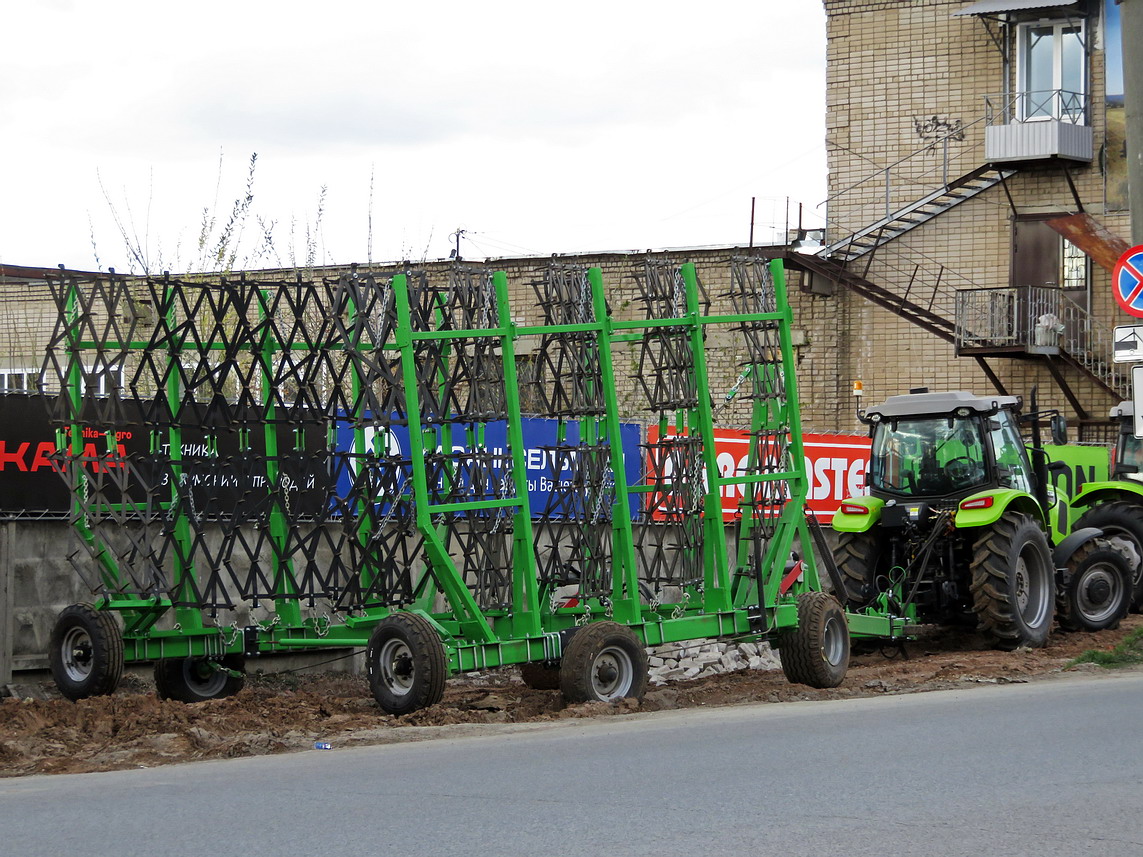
897	223
941	301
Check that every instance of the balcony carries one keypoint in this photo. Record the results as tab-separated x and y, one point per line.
1037	126
1037	320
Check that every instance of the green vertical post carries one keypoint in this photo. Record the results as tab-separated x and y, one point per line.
525	587
624	569
716	579
286	604
188	618
473	624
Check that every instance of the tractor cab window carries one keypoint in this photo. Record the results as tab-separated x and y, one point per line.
1012	465
1129	456
928	457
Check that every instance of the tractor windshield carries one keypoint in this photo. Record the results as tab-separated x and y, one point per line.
928	456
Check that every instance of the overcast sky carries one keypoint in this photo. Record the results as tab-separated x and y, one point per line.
538	128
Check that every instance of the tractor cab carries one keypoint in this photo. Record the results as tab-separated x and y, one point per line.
1128	457
945	446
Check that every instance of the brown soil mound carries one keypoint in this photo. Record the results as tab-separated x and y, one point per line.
288	712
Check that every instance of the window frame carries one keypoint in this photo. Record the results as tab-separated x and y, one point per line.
1057	111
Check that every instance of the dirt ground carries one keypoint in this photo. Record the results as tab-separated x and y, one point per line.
283	713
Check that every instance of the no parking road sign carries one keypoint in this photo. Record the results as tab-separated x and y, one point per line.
1127	282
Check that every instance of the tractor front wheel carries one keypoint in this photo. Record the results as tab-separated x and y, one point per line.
1122	525
817	651
1013	583
86	652
406	664
604	662
1097	594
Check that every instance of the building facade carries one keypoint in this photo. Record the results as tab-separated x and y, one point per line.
978	201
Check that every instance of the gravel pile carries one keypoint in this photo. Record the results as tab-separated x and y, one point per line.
699	658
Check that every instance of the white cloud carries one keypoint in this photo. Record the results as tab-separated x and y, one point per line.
598	126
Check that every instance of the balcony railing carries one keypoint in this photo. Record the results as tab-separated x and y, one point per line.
1037	126
1036	105
1037	320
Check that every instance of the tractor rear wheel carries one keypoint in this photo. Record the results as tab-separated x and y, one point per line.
1097	594
85	652
856	556
196	679
1013	583
406	664
604	662
817	651
1122	524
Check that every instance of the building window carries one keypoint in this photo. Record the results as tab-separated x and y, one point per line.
1051	73
18	380
1073	271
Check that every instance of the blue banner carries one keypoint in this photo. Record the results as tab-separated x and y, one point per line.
541	462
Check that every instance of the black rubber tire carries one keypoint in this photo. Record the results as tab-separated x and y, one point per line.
406	664
1121	519
856	557
604	662
1013	583
197	680
1097	595
85	654
539	676
816	652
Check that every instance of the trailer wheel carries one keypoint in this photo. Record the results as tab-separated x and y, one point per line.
197	679
540	676
817	651
1013	583
1121	522
406	664
86	652
604	662
856	557
1097	594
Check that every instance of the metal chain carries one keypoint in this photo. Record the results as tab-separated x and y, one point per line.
733	391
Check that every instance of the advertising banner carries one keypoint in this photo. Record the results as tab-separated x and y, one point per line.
835	466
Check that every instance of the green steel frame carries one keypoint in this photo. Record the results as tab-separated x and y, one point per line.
753	597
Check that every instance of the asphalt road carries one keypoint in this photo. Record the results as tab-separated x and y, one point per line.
1049	768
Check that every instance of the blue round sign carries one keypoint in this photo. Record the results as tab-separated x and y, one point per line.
1127	282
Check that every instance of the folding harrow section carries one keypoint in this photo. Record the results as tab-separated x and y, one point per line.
342	462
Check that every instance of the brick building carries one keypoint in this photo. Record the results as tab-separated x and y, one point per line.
977	186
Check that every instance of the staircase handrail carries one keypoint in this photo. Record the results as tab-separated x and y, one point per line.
943	140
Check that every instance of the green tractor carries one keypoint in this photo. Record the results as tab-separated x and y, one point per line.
955	529
1116	506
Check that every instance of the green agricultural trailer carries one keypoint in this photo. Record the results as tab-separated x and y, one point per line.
340	463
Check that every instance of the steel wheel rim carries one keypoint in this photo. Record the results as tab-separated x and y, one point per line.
395	663
1087	602
833	642
612	674
77	656
1029	592
201	677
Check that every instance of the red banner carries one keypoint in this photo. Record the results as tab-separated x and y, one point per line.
835	465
